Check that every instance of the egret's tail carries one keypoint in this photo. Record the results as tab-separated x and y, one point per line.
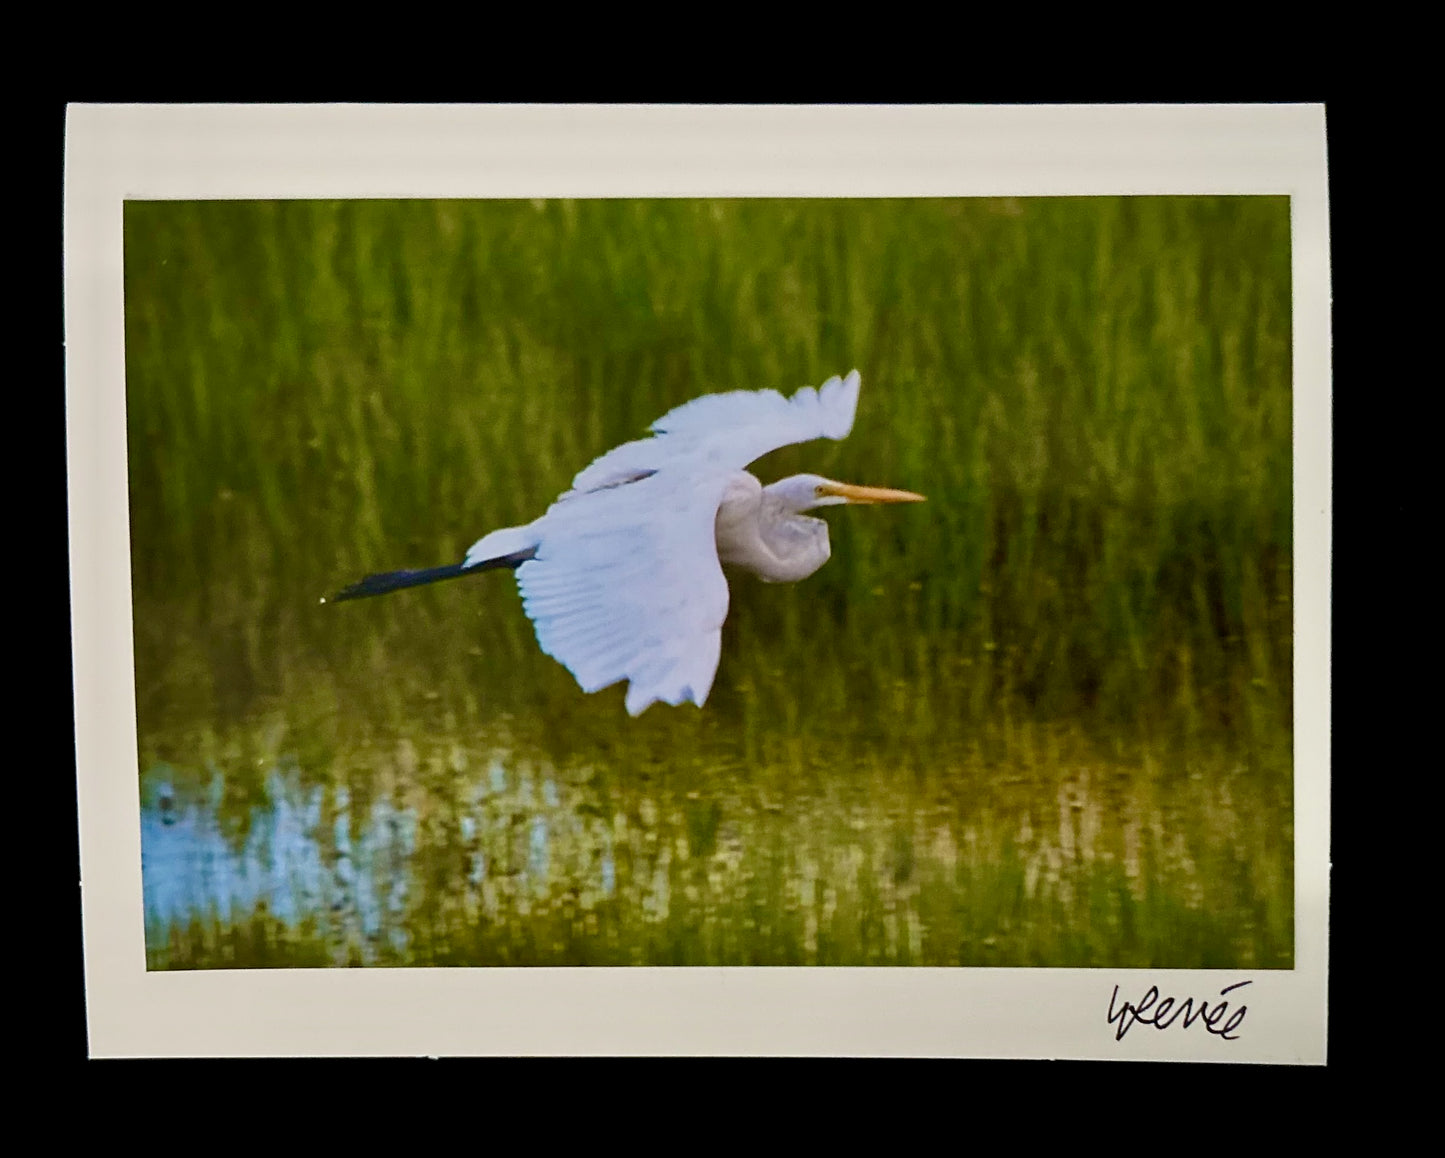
502	544
390	581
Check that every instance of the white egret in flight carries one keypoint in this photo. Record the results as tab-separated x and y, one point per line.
622	577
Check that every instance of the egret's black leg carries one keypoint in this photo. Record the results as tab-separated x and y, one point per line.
390	581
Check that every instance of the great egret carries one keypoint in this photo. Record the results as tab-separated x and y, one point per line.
622	576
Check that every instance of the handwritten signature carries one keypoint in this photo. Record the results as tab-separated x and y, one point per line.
1163	1012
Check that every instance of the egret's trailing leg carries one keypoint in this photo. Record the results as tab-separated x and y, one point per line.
389	581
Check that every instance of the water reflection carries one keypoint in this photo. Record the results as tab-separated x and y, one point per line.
355	890
475	858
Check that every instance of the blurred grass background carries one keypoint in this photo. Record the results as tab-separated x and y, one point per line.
1094	394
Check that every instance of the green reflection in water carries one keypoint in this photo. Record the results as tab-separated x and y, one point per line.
1061	856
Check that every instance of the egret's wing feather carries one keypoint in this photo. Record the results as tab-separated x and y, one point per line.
626	584
727	431
753	422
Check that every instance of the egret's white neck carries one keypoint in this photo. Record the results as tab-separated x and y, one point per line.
760	529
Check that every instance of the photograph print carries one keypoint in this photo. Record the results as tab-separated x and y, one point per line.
732	582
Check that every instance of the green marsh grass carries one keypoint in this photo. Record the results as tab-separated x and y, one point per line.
1094	394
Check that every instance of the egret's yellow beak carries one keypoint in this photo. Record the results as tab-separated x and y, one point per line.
852	494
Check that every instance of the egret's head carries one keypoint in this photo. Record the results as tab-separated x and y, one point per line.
802	492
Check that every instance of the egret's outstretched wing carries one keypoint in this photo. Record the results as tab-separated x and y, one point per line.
727	431
626	584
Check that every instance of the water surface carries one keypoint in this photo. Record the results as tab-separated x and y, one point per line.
440	852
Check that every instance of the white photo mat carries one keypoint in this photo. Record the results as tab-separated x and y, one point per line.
119	152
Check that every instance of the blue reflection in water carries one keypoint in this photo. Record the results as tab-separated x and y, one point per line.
351	873
537	853
190	869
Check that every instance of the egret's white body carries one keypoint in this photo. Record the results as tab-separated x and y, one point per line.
622	576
